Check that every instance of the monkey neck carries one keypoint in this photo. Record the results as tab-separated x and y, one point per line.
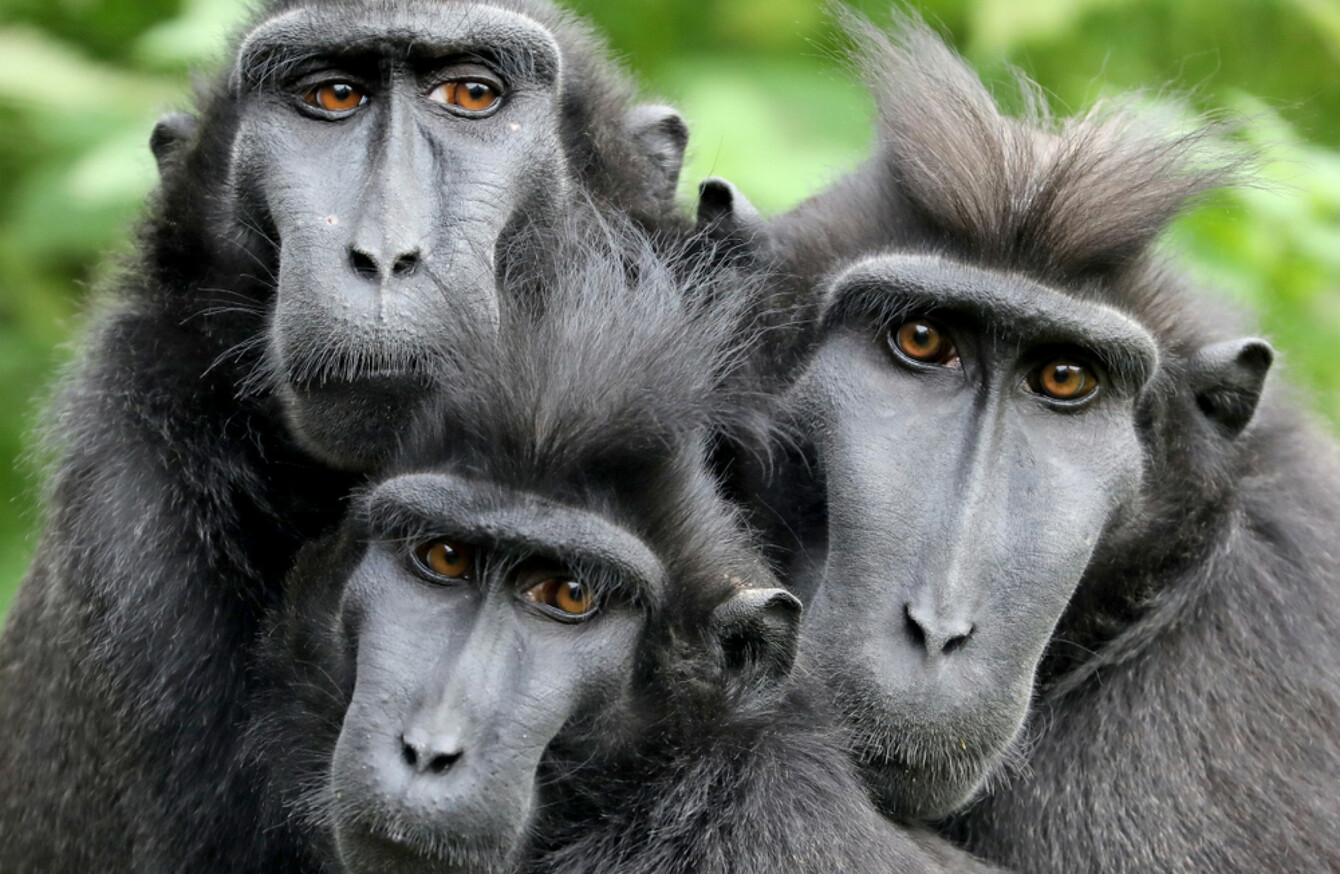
1266	506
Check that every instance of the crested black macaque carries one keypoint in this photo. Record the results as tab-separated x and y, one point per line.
543	643
1051	474
351	184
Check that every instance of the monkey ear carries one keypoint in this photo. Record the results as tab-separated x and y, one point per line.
759	632
169	135
727	216
663	136
1228	378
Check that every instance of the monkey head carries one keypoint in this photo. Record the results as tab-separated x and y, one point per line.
372	165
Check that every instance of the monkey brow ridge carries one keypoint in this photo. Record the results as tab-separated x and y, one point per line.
296	36
1009	304
486	513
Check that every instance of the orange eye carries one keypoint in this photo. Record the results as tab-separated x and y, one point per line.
473	95
453	561
925	342
335	97
564	594
1063	380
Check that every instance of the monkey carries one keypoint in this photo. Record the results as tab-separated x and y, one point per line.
355	178
1063	548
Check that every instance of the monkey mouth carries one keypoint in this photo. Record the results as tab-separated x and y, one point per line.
925	762
391	845
314	363
371	377
316	374
922	771
388	397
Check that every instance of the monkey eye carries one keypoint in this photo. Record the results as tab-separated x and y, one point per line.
445	559
559	594
472	95
1062	379
335	97
924	342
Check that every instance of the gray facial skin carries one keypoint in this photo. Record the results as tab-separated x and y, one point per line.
461	684
388	212
963	508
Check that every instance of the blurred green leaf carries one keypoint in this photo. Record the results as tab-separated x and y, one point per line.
778	130
45	75
1324	16
196	37
1002	25
1275	248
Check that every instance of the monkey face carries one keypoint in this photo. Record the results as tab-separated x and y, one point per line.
977	436
480	627
472	650
386	159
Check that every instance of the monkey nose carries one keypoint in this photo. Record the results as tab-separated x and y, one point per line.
379	267
431	755
935	634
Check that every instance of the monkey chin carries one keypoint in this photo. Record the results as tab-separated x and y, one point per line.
389	850
353	424
922	780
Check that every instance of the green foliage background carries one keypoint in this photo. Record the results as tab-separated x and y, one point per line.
82	81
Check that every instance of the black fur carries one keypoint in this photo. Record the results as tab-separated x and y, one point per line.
176	505
1186	711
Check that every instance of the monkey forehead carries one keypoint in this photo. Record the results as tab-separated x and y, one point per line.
425	29
1005	303
488	514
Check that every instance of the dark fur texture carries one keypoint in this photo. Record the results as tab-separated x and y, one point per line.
715	782
1187	709
177	504
601	400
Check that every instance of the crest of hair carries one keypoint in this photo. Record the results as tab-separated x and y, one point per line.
1065	198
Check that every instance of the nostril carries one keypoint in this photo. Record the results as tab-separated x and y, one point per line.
363	264
427	757
914	629
933	635
957	641
441	763
405	265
